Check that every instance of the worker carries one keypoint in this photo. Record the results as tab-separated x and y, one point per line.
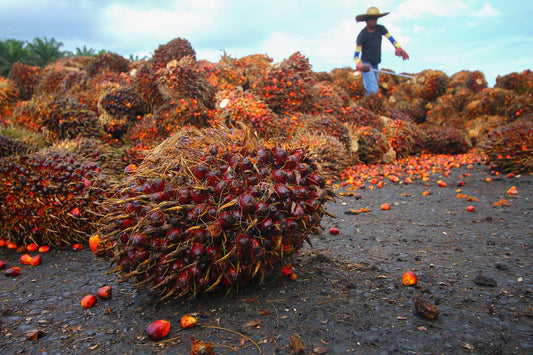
368	46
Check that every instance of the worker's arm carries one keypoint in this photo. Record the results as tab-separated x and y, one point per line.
358	63
399	50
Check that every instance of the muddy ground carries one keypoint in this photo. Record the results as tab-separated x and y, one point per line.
476	267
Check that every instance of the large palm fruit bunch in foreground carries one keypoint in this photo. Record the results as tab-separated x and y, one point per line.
509	147
49	197
212	209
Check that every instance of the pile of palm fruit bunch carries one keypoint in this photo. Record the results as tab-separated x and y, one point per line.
26	78
212	209
49	198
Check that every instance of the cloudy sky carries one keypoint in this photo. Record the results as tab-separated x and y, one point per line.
493	36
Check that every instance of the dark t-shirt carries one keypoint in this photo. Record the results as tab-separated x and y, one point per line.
371	44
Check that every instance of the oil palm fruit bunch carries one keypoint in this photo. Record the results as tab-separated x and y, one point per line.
372	146
226	74
401	136
29	114
184	79
327	124
119	107
490	101
253	65
521	83
445	139
508	148
10	146
107	62
348	82
49	197
325	99
144	78
8	97
66	117
376	103
212	209
51	79
282	88
26	78
235	108
473	81
170	117
175	49
359	116
430	84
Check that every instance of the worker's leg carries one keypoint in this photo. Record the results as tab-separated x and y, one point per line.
370	80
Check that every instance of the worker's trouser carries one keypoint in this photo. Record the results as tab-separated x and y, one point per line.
370	79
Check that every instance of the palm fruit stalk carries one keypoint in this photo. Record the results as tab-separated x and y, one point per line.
212	209
49	198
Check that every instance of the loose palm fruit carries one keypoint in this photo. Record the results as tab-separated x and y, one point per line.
158	329
88	301
409	278
188	321
25	259
36	260
426	309
12	272
104	292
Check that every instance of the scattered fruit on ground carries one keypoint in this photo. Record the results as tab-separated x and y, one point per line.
88	301
409	278
158	329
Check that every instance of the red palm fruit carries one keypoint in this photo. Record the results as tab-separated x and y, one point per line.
298	211
288	270
11	245
104	292
36	260
88	301
188	321
243	241
299	193
280	156
226	220
200	171
213	176
261	209
197	251
12	271
158	330
3	242
157	218
279	176
25	259
44	249
199	195
213	252
263	156
138	240
77	247
266	226
174	234
282	191
2	264
184	196
409	278
237	187
251	179
94	242
231	276
247	202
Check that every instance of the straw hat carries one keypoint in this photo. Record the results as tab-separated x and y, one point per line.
372	12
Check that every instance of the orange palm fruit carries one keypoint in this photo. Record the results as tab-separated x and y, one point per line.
409	278
158	330
188	321
25	259
94	242
88	301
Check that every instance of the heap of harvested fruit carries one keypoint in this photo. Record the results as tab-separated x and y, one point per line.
48	198
211	209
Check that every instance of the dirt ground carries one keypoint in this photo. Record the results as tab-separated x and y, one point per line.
476	267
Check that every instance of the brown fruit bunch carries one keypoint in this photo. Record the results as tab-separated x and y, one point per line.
212	209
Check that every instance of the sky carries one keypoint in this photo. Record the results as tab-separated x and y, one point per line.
493	36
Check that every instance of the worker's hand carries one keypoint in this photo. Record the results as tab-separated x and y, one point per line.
362	67
401	53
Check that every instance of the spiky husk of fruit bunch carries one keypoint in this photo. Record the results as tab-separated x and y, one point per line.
331	155
521	83
173	115
404	101
479	127
22	138
144	77
490	101
325	99
372	146
49	197
110	62
509	148
401	135
445	140
184	79
360	116
119	107
326	124
349	82
473	81
520	106
65	117
398	115
430	84
26	78
299	63
211	209
388	83
8	97
236	107
282	89
175	49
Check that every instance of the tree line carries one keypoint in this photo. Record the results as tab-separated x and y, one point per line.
39	52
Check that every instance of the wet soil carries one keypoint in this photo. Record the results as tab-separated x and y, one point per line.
476	267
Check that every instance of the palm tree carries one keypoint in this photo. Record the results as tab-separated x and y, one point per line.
85	52
44	51
12	51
